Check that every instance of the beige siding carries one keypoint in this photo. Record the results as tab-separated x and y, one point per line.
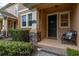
34	17
74	20
21	7
42	23
75	23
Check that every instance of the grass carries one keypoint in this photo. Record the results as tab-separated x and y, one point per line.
72	52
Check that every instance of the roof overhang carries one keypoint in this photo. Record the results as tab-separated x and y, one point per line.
30	5
6	6
6	14
40	5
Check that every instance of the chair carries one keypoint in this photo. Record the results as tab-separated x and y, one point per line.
70	37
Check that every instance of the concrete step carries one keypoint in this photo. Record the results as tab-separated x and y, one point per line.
54	50
45	53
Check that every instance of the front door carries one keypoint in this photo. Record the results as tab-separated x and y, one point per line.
52	26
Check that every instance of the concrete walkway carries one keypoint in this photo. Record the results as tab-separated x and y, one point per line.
42	52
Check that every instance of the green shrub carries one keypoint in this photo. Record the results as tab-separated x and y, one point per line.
72	52
15	48
21	35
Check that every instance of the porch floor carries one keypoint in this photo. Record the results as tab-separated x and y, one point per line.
55	46
55	43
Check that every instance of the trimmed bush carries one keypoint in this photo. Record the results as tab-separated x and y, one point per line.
72	52
15	48
21	35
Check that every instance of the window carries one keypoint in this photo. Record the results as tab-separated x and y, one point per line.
64	20
24	20
30	19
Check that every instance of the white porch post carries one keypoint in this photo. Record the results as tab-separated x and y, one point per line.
4	27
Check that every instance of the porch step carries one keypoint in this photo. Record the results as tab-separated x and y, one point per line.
53	50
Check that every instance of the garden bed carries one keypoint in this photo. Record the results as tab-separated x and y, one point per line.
15	48
19	35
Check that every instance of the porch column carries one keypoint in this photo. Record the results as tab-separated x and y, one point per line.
4	27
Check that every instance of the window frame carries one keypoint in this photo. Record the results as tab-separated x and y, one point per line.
28	16
21	21
67	12
27	22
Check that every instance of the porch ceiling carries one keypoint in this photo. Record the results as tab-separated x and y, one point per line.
30	5
58	8
50	7
40	5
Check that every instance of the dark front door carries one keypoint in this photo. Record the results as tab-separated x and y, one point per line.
52	25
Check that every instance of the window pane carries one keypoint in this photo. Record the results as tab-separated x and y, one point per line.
30	19
23	23
64	19
24	20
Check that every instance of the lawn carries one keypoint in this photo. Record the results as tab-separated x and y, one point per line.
15	48
72	52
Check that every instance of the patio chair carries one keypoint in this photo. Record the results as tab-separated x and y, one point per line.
70	37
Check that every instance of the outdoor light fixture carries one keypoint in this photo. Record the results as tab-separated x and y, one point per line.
34	21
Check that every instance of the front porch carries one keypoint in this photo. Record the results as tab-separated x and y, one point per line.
67	18
56	43
56	30
54	46
7	22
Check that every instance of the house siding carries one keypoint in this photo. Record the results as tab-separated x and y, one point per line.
42	27
13	9
21	7
41	18
75	22
34	17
